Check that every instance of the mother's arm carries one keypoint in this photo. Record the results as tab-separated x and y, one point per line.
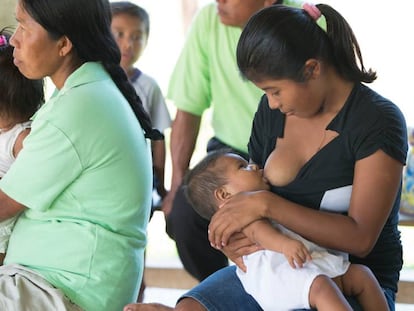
9	207
375	186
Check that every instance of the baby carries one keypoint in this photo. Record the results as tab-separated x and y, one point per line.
290	272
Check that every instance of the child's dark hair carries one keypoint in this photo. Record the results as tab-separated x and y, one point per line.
278	40
87	24
20	97
126	7
201	182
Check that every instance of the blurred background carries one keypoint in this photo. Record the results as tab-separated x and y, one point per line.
384	29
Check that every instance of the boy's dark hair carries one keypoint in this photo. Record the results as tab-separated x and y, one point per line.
126	7
20	97
201	181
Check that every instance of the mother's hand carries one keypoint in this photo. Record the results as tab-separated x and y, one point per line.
238	246
236	213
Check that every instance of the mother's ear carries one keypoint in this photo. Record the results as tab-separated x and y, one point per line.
65	46
312	69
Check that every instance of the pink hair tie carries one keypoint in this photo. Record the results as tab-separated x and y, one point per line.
312	10
3	40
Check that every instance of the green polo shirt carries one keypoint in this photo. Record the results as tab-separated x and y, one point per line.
206	75
85	175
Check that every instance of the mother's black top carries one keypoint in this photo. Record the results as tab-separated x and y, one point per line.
367	122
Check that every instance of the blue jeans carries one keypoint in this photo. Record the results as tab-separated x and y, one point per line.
222	291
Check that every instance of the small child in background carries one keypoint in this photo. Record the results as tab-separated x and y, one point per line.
19	100
290	272
130	26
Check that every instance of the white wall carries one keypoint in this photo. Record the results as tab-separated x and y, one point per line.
7	13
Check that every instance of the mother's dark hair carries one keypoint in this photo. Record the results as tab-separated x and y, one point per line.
278	40
87	25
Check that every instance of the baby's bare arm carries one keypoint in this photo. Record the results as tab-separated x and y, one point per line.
268	237
18	145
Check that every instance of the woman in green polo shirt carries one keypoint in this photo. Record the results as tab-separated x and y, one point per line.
83	180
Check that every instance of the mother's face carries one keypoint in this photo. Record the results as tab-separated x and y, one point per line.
35	53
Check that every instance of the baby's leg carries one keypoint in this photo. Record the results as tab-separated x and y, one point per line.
324	294
359	281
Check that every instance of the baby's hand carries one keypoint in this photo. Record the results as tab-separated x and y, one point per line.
240	263
296	253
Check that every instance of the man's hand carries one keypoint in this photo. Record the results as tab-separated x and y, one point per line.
167	203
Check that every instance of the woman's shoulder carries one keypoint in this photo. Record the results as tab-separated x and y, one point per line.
366	104
366	94
373	121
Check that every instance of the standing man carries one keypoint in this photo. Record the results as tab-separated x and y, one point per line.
206	75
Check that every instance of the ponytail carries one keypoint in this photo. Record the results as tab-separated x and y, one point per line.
345	47
278	40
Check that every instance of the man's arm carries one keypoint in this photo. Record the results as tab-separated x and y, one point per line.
184	132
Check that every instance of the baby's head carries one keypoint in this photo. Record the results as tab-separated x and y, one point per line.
130	26
19	97
217	177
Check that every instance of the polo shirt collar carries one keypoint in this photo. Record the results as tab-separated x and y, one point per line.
87	73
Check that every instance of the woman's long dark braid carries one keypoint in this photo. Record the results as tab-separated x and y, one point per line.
119	77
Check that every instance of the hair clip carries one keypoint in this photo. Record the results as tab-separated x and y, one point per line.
312	10
3	40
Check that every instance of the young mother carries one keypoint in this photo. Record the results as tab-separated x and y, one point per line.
83	180
331	147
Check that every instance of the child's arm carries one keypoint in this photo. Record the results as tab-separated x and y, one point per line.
268	237
18	145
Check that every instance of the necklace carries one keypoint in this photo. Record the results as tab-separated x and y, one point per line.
323	139
326	138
